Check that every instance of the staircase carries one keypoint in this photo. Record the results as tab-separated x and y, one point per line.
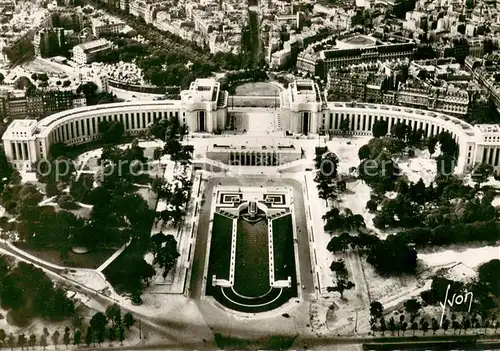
277	121
279	214
226	214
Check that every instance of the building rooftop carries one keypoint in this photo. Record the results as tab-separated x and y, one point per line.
488	128
20	128
356	41
202	89
103	21
93	44
303	91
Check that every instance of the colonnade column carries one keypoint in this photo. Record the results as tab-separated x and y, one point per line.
20	151
209	123
13	150
20	148
490	159
85	132
25	150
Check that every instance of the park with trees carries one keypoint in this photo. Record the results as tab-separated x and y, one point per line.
118	214
413	315
61	323
408	217
98	212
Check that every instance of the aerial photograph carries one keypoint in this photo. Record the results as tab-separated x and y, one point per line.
250	175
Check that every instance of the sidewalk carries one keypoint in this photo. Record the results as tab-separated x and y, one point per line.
185	245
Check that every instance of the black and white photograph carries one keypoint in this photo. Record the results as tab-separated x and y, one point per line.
250	175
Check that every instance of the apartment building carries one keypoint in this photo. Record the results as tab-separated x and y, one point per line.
106	26
320	63
20	104
85	53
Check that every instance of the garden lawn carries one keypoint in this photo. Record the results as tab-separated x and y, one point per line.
91	260
284	258
220	247
116	272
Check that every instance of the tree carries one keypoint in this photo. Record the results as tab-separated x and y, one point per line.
481	173
401	321
133	274
121	334
486	324
372	205
404	326
98	325
3	335
380	128
461	28
326	188
113	312
43	77
111	131
448	145
89	336
157	153
466	323
111	335
414	327
434	326
28	290
342	285
21	341
43	341
376	310
89	89
344	125
425	327
341	185
364	152
399	131
66	337
339	268
383	327
165	252
431	145
32	341
77	337
392	325
445	325
128	320
11	341
392	256
67	202
55	338
412	306
339	243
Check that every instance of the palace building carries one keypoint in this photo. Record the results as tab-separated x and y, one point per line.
204	108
